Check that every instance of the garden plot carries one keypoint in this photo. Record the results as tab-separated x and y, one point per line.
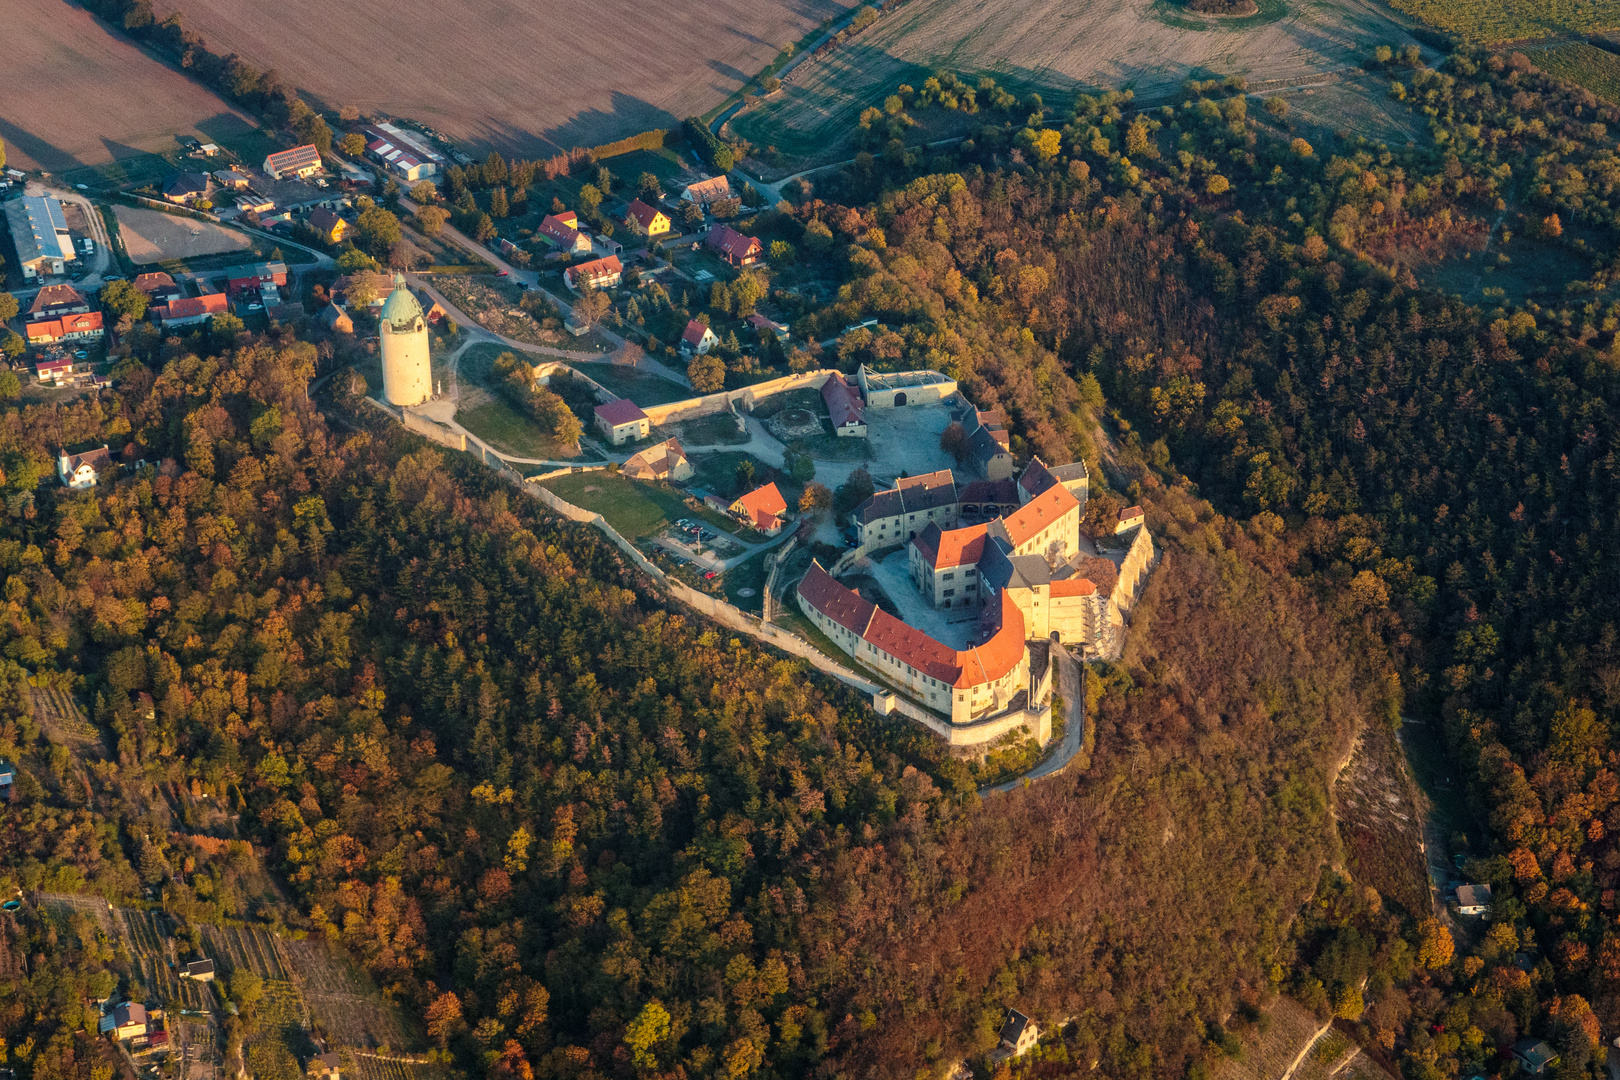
343	1003
61	907
64	722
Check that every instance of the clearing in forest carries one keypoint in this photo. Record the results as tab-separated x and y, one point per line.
523	78
77	94
1059	48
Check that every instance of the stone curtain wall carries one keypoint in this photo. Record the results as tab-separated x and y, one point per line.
440	434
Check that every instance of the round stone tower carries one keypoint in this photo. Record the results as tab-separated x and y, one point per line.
407	374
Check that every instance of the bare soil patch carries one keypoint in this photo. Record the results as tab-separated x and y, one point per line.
75	94
1057	48
523	78
152	236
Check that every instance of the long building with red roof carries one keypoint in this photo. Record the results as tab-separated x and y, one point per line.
964	684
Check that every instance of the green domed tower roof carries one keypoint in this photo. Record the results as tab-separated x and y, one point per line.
400	310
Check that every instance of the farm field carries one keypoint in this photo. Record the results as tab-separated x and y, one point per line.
502	75
1058	48
152	236
1496	21
76	95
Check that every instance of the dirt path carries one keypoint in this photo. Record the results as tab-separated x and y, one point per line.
1071	679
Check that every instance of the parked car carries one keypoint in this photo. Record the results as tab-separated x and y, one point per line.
710	576
706	535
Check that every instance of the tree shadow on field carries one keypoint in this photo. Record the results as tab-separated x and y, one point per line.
37	150
627	115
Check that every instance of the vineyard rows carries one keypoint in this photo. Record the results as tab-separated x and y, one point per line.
1584	65
343	1002
373	1068
60	908
251	947
1493	22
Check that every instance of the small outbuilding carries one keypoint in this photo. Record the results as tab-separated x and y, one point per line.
201	970
621	420
1473	899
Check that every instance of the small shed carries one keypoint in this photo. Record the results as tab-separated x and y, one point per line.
201	970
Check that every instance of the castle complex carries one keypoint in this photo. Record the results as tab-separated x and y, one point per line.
1012	550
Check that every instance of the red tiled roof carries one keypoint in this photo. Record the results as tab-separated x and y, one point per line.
733	244
1002	653
53	296
762	505
1131	512
52	329
1075	586
150	283
841	605
597	268
946	548
187	307
297	158
843	403
1028	520
643	213
620	411
561	227
693	335
911	646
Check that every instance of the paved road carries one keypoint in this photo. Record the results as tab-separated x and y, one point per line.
1070	675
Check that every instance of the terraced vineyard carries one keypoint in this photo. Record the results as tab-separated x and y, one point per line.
148	934
251	947
1584	65
1495	21
343	1003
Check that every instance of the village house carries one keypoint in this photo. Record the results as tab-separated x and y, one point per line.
336	320
644	220
596	274
55	371
230	178
8	781
697	339
255	277
54	301
201	970
1473	899
129	1021
666	461
325	1067
561	230
734	247
86	326
79	471
327	225
190	310
706	193
1535	1056
766	326
158	287
763	508
299	162
183	188
621	420
1019	1034
844	406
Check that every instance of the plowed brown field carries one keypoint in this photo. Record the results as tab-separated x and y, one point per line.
517	76
74	94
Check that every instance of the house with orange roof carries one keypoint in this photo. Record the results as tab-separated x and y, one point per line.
84	326
697	339
1047	525
945	564
734	247
644	220
763	509
188	310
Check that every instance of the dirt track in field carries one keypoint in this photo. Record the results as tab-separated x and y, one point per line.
516	76
73	94
1061	47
